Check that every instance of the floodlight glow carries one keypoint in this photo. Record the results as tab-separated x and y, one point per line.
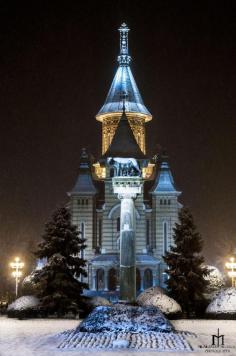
231	267
17	266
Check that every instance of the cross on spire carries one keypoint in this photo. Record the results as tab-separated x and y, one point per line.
124	58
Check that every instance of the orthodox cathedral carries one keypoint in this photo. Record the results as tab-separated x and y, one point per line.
94	207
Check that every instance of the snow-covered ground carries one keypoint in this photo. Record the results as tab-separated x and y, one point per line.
39	337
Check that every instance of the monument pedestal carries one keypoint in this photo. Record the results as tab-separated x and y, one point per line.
127	189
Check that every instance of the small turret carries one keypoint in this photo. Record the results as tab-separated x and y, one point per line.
164	183
84	184
82	204
165	208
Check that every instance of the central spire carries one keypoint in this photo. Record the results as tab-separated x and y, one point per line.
111	111
124	82
124	58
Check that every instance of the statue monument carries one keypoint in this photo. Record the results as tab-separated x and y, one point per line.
127	188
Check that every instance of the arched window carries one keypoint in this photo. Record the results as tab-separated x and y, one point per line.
100	283
118	224
138	280
148	281
165	237
112	278
82	229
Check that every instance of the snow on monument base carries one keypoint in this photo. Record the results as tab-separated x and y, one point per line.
124	326
125	318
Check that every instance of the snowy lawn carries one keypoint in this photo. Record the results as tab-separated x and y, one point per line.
39	337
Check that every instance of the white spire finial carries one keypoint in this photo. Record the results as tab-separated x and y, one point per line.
124	58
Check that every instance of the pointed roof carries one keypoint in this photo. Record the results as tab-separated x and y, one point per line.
124	82
124	143
164	183
84	184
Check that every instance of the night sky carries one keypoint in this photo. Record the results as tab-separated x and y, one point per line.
56	65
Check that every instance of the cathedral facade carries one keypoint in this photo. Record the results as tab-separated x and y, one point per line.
94	207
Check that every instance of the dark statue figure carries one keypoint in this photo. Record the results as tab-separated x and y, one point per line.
124	167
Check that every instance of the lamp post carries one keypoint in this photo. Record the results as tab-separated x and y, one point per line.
231	267
17	266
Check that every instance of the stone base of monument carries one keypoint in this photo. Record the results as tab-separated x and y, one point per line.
125	326
124	318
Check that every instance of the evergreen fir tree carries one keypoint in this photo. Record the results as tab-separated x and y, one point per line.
59	285
186	283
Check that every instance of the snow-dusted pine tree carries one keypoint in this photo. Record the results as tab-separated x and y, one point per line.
216	281
59	284
186	283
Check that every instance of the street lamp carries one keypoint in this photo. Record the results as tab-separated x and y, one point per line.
17	266
231	267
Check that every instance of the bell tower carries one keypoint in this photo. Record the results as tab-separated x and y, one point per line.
123	83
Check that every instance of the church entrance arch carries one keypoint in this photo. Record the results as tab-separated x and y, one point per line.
100	282
147	282
112	279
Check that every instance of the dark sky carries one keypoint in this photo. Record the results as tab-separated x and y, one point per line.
56	65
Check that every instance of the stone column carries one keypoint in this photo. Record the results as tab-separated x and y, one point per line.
127	189
118	279
127	251
93	279
106	279
154	278
141	280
